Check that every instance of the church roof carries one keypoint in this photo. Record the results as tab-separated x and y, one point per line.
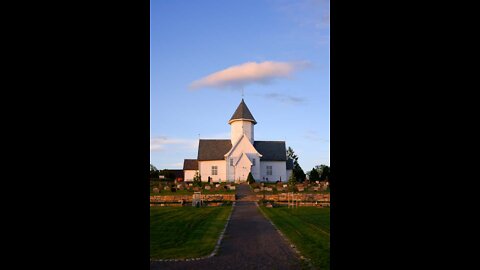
213	149
271	150
242	112
216	150
190	164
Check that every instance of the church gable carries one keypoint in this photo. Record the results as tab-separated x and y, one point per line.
242	146
244	160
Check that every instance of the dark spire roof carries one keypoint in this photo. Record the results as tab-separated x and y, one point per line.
243	113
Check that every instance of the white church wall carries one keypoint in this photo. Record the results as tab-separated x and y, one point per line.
189	174
238	128
206	170
279	171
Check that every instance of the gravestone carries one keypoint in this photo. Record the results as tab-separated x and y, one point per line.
300	188
207	187
285	186
197	199
155	190
232	187
217	185
166	188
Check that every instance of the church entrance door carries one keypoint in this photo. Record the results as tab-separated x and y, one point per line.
244	173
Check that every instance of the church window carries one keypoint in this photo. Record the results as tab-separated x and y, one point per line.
214	170
231	162
269	170
253	162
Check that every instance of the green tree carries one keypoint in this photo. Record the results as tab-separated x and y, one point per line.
313	175
325	173
297	170
168	174
292	181
154	173
197	179
250	178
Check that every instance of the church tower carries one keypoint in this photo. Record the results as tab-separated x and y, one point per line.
242	122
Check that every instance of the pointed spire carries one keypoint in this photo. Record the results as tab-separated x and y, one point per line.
242	113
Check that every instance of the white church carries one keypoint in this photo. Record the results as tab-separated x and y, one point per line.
231	160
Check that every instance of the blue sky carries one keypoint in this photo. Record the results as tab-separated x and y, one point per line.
204	52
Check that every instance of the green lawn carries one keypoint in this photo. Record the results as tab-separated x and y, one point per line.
308	228
185	232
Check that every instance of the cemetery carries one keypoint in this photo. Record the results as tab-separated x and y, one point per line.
315	193
172	193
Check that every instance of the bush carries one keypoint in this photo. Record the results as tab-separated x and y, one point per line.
250	178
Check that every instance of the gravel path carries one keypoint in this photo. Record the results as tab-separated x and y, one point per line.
250	242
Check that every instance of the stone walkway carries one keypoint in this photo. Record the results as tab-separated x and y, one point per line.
250	242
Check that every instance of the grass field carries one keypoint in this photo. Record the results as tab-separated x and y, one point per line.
308	228
185	232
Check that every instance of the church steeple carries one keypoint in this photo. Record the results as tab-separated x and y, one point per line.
242	113
241	122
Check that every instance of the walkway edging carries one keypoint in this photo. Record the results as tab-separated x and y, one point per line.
215	250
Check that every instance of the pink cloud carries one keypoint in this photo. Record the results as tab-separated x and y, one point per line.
248	73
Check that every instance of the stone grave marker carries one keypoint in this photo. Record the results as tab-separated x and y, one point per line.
155	190
207	187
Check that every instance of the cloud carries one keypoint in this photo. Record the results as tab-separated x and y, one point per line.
285	98
159	144
248	73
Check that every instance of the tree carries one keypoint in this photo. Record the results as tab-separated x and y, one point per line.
313	175
154	173
197	179
297	170
291	154
168	174
250	178
292	181
325	173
